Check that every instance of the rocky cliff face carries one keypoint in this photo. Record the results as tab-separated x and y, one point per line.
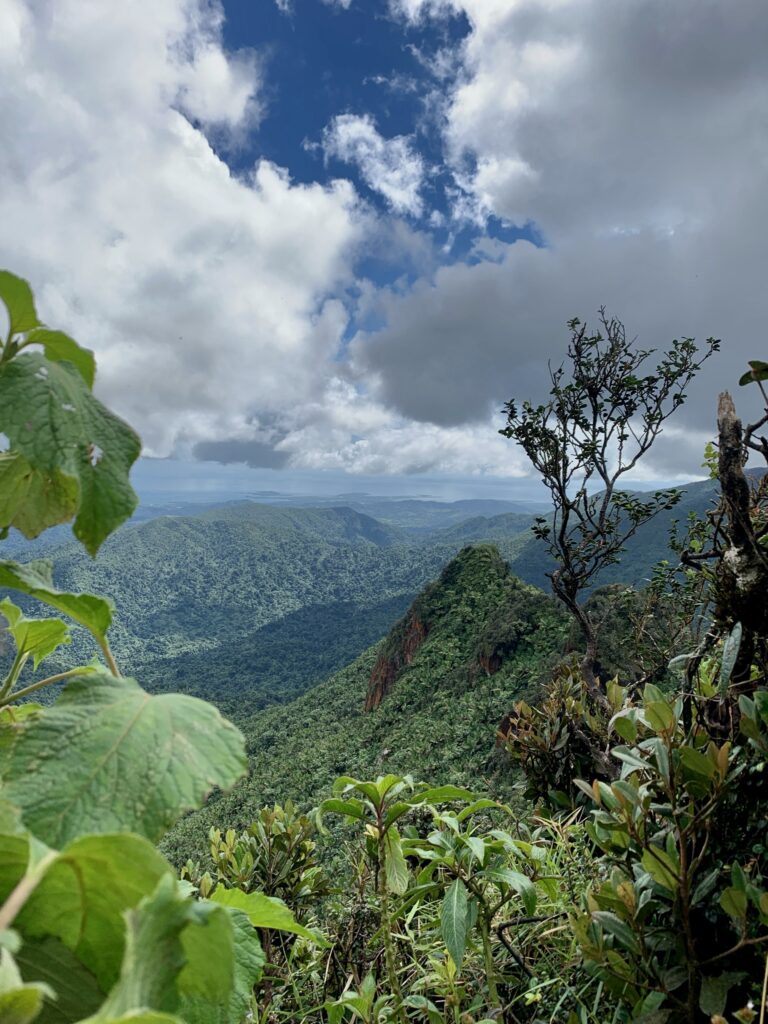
476	610
395	657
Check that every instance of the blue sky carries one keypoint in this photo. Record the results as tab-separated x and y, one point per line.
328	239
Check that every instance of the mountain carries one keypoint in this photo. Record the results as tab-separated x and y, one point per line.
425	700
530	560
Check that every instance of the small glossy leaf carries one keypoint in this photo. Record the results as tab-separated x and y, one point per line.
263	911
36	580
16	296
620	930
714	991
517	881
35	637
661	868
453	920
109	756
734	903
442	795
395	867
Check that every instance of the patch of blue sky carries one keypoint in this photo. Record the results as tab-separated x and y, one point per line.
322	60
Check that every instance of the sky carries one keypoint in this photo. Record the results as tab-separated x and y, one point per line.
326	240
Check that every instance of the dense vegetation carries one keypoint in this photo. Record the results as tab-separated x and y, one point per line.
440	717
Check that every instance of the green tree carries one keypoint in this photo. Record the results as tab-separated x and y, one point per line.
605	410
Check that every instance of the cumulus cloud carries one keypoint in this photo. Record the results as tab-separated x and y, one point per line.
631	135
205	295
391	167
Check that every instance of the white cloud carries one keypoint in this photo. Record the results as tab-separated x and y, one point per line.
391	167
631	134
203	294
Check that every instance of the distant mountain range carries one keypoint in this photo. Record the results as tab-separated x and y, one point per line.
252	603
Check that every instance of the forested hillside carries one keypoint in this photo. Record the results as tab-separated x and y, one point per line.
473	642
249	604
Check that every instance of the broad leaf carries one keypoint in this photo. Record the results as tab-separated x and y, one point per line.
34	637
517	881
59	347
16	296
453	920
108	756
36	580
199	1006
49	415
83	894
730	654
442	795
262	911
155	956
20	1003
77	993
32	501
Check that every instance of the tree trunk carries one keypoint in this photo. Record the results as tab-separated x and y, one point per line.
741	582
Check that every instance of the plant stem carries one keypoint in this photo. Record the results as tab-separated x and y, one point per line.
110	658
39	685
15	671
23	891
386	922
490	970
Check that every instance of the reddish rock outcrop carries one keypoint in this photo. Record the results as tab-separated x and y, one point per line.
399	653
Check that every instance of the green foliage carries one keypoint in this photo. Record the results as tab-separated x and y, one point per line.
68	456
440	718
675	926
95	909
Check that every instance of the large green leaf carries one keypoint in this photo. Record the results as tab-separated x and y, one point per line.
198	1006
32	501
50	416
182	955
263	911
36	638
20	1003
108	756
77	993
36	580
59	347
454	919
16	295
154	955
83	894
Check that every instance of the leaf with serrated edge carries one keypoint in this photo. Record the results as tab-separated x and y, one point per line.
49	415
35	579
32	501
109	756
